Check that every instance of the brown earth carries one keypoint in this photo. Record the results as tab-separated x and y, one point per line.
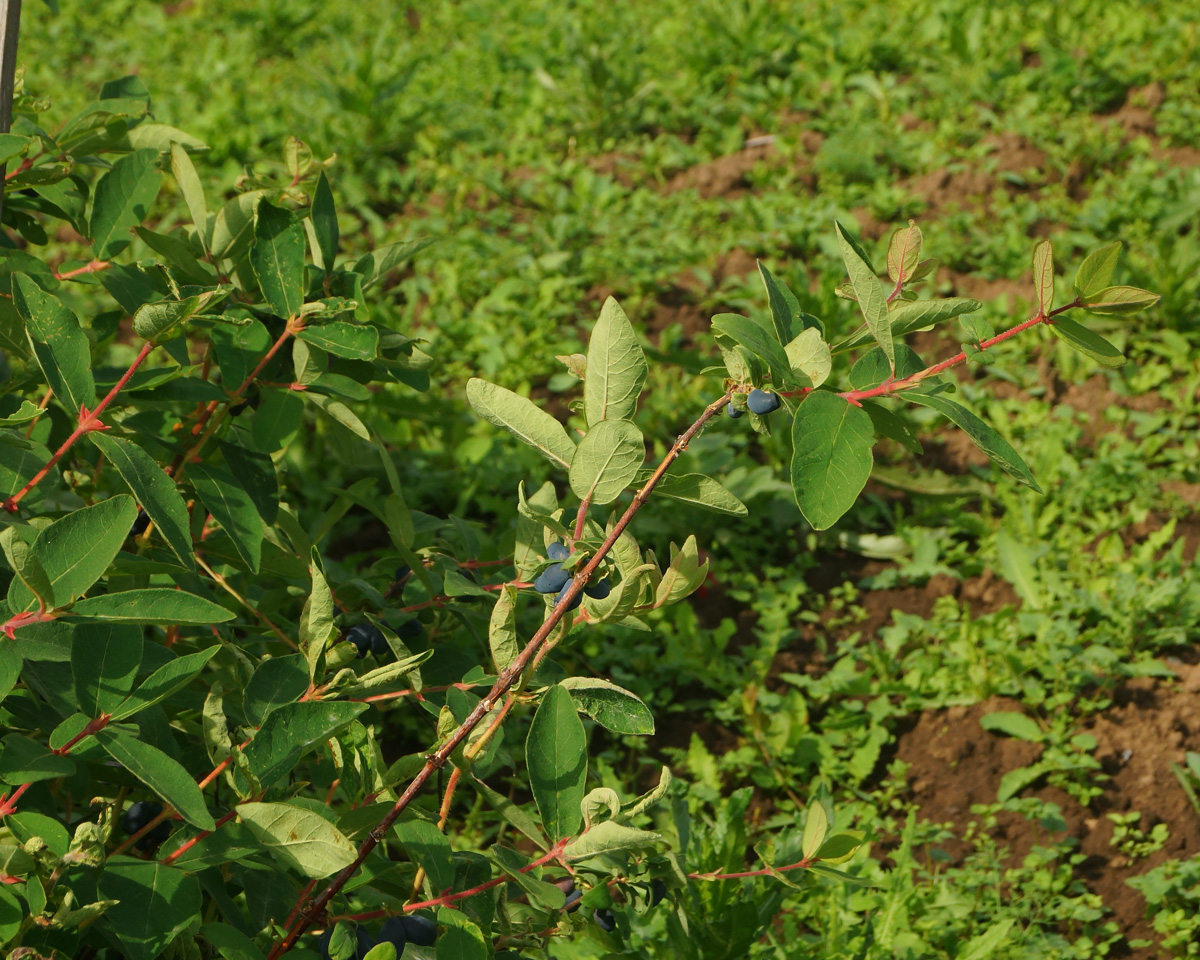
954	763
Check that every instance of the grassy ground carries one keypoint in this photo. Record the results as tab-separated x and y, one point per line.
654	150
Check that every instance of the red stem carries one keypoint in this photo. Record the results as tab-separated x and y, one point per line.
94	267
88	421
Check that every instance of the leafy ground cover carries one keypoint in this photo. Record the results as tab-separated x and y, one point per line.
999	686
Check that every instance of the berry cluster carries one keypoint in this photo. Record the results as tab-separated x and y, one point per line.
554	579
758	401
398	931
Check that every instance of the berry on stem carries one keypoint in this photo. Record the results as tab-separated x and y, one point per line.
733	412
366	636
420	930
605	920
552	579
762	402
557	551
598	590
563	592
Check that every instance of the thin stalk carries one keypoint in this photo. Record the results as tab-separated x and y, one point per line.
89	420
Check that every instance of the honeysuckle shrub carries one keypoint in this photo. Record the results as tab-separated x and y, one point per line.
198	698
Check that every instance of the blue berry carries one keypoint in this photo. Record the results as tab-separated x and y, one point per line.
421	930
605	920
563	592
402	571
551	579
598	590
762	403
411	630
557	551
658	890
379	645
573	898
733	413
140	524
363	637
393	932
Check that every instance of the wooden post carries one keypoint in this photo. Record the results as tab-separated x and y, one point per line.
10	21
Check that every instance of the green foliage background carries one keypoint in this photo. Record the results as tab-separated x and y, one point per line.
490	127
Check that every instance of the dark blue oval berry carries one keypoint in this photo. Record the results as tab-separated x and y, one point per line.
139	814
411	630
658	890
402	571
557	551
421	930
605	920
379	645
363	637
393	932
551	579
563	592
140	524
364	944
762	403
733	413
573	898
598	590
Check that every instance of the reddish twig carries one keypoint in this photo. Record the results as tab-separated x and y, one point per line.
94	267
89	421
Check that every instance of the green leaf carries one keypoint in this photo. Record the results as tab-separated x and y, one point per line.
785	308
193	193
616	367
376	265
702	491
165	606
277	419
984	436
232	508
230	942
10	668
153	904
872	368
523	419
155	491
123	198
298	838
1096	271
1043	275
166	777
502	629
840	847
277	257
543	895
354	341
889	424
607	460
831	456
27	568
904	253
160	321
759	341
556	754
289	732
62	349
1017	780
1018	567
76	550
233	226
338	411
683	576
815	829
1087	342
609	837
1120	301
610	706
104	663
324	220
26	761
172	676
987	943
809	356
911	315
426	845
256	473
869	291
1013	724
512	812
19	464
277	681
460	939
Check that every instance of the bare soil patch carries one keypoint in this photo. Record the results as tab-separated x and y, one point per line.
954	763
